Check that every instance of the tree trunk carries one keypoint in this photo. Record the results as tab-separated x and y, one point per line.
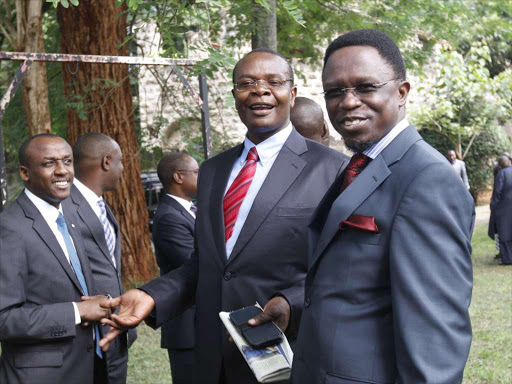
35	85
264	33
96	27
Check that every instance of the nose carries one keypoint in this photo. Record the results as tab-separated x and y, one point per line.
350	100
61	168
260	88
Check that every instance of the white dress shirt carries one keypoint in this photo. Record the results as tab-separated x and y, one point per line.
92	198
50	215
379	146
184	203
267	154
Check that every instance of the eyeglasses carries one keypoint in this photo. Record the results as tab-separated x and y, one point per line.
196	171
247	85
360	91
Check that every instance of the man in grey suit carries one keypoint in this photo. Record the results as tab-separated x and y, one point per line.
501	208
173	236
390	275
254	204
98	168
46	331
459	166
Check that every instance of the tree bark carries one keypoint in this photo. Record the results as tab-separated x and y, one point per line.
97	27
264	33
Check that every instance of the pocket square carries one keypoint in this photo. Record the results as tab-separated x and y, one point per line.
364	223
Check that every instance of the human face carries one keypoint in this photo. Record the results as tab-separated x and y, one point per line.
362	121
49	174
263	111
451	157
189	174
113	162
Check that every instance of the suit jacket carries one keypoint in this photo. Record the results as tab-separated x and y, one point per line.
460	168
107	277
173	236
269	256
391	306
501	204
40	342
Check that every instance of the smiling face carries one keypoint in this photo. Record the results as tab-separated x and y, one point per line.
49	173
263	111
364	120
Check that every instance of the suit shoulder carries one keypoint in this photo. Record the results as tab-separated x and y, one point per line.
318	149
213	161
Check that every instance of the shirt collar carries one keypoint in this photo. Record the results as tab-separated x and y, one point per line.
379	146
267	148
185	203
91	197
48	211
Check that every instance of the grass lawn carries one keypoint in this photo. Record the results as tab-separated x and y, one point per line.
490	359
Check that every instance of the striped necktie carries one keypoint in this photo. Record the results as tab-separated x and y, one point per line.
77	268
107	230
236	193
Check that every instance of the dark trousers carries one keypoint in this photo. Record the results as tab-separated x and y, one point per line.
100	370
183	365
506	252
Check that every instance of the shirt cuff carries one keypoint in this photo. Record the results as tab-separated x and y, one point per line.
78	320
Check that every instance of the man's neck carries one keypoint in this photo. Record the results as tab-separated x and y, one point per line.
92	185
177	192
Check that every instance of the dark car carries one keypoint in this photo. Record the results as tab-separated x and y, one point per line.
153	191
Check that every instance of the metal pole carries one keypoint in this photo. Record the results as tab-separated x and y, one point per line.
4	103
205	117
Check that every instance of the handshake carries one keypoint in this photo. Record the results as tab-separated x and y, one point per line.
135	305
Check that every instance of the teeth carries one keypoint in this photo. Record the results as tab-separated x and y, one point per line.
61	183
349	123
261	106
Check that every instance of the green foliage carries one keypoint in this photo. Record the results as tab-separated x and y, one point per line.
480	160
64	3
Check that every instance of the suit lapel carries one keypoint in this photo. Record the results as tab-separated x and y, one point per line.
286	168
45	233
91	221
180	208
362	187
219	183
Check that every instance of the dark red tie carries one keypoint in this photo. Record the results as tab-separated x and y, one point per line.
356	165
236	193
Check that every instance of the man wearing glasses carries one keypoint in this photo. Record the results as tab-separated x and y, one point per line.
390	274
254	205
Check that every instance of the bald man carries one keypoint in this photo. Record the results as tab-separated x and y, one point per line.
98	168
308	119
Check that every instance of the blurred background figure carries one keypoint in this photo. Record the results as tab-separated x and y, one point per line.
501	208
459	166
173	236
308	119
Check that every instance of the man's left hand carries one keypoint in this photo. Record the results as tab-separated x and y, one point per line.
277	310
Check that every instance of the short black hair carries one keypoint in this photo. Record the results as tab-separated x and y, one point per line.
272	52
384	44
169	164
91	145
22	152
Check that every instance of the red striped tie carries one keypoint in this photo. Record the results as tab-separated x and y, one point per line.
357	163
236	193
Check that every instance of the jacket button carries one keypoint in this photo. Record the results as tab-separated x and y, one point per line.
307	302
89	348
227	276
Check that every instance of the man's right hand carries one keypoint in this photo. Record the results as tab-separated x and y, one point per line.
90	309
134	306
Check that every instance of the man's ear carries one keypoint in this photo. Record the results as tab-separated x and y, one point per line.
24	174
105	162
177	178
293	94
403	90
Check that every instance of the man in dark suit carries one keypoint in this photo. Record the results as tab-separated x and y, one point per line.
173	236
254	204
390	275
98	168
308	119
501	208
44	273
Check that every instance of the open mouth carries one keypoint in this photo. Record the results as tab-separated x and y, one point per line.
351	123
261	107
61	183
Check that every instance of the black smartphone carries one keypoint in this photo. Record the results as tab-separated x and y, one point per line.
261	336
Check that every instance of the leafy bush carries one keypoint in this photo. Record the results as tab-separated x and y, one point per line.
482	156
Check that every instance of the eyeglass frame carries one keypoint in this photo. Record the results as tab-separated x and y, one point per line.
263	82
345	90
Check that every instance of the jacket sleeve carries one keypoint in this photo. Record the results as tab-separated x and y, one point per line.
431	278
